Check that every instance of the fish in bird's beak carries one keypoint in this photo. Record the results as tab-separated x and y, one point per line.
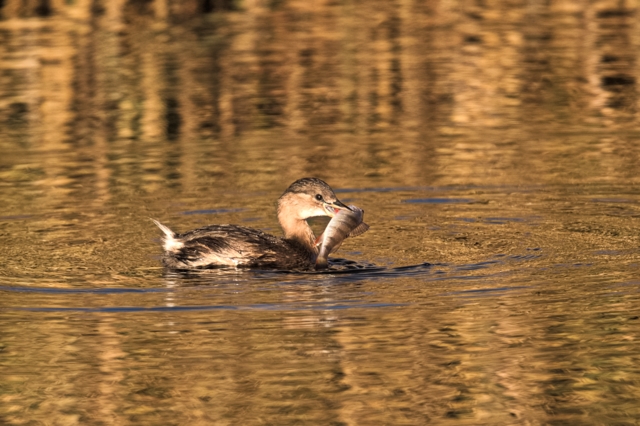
334	207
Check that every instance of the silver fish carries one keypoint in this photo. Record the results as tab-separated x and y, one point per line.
344	224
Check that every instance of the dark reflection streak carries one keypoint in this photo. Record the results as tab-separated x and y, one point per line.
438	201
345	190
349	62
217	50
486	290
173	118
348	276
83	104
395	67
345	276
505	188
214	211
539	66
270	307
616	27
270	102
373	117
434	97
82	290
173	121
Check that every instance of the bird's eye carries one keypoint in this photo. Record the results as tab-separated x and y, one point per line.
318	197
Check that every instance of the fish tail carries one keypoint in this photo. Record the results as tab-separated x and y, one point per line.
359	230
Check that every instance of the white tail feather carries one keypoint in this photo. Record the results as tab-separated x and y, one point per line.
169	241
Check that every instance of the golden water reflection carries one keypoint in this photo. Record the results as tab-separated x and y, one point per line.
496	141
444	358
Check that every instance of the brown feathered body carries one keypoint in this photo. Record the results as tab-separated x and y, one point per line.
233	245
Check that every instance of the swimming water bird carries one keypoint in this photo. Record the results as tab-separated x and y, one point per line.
233	245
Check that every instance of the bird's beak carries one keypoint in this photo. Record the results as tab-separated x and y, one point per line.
334	207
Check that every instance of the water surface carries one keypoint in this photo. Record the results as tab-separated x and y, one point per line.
494	149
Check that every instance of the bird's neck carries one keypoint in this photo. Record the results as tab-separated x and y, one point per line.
297	230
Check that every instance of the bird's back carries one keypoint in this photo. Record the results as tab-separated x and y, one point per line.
232	245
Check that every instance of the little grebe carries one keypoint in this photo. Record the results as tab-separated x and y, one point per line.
233	245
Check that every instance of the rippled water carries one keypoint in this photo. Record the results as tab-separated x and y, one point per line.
494	148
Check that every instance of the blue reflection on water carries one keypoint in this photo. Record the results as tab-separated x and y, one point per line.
267	307
438	200
213	211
